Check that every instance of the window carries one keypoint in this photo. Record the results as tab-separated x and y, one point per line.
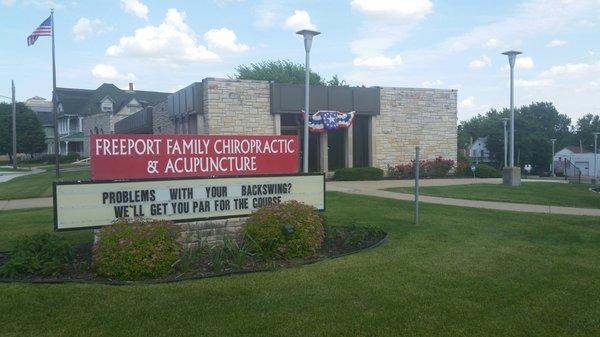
106	105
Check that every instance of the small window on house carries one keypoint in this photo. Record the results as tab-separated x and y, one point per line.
482	153
106	106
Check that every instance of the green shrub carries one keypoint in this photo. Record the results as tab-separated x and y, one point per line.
290	229
487	171
136	249
358	173
40	254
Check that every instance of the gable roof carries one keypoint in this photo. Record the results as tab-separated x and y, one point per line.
575	149
85	102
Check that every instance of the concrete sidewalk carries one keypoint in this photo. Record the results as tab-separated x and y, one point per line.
374	188
25	203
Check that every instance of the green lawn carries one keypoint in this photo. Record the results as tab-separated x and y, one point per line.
462	272
570	195
15	223
36	185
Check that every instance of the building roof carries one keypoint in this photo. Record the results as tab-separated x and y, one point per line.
42	109
84	102
575	149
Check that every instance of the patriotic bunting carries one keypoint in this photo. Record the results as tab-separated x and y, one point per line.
323	121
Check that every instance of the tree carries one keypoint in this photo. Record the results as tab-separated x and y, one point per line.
535	125
30	133
585	128
278	71
283	71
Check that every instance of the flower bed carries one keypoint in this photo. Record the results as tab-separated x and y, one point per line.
233	256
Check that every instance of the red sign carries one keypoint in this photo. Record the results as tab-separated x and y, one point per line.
116	157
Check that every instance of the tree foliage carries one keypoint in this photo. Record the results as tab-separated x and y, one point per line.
282	71
585	128
30	133
535	125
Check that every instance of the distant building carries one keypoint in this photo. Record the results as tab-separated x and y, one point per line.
478	152
573	158
82	112
43	110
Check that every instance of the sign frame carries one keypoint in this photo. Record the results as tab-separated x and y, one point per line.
91	182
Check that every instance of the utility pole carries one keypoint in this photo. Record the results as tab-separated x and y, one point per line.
595	155
505	120
552	162
417	173
14	126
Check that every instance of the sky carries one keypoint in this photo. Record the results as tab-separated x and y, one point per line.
167	45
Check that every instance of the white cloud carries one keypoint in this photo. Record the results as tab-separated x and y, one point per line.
7	2
267	14
224	39
108	72
524	62
85	28
378	62
386	22
467	103
572	69
556	43
533	83
480	63
173	42
433	84
298	21
492	43
136	8
400	12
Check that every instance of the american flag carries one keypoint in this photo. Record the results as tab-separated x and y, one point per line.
45	29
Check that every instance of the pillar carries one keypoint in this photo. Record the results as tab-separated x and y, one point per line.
324	163
80	126
349	147
277	121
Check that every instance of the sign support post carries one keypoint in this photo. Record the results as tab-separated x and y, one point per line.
417	166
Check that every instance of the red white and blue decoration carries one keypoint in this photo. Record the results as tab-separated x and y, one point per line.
45	29
325	120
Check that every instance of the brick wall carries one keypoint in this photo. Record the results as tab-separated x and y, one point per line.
237	107
411	117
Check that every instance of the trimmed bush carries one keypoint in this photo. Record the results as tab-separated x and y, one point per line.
136	249
358	173
433	168
290	229
487	171
40	254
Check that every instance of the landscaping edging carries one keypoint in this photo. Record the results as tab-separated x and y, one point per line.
106	281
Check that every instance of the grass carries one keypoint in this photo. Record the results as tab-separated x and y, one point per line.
569	195
19	222
36	185
462	272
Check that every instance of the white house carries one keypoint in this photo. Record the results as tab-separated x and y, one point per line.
580	158
478	152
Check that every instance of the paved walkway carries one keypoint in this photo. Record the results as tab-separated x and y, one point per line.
374	188
7	175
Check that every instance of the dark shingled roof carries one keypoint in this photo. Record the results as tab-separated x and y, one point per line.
84	102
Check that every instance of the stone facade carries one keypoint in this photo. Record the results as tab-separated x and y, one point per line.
414	117
161	120
101	122
237	107
209	231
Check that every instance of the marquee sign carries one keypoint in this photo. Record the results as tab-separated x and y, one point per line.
96	204
122	157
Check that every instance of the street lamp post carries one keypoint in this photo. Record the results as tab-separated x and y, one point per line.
514	180
596	154
504	121
552	162
308	37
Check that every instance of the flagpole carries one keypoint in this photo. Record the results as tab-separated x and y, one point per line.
54	107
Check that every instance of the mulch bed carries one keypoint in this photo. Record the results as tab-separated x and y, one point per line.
340	242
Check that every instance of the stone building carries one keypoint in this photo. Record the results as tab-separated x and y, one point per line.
389	121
